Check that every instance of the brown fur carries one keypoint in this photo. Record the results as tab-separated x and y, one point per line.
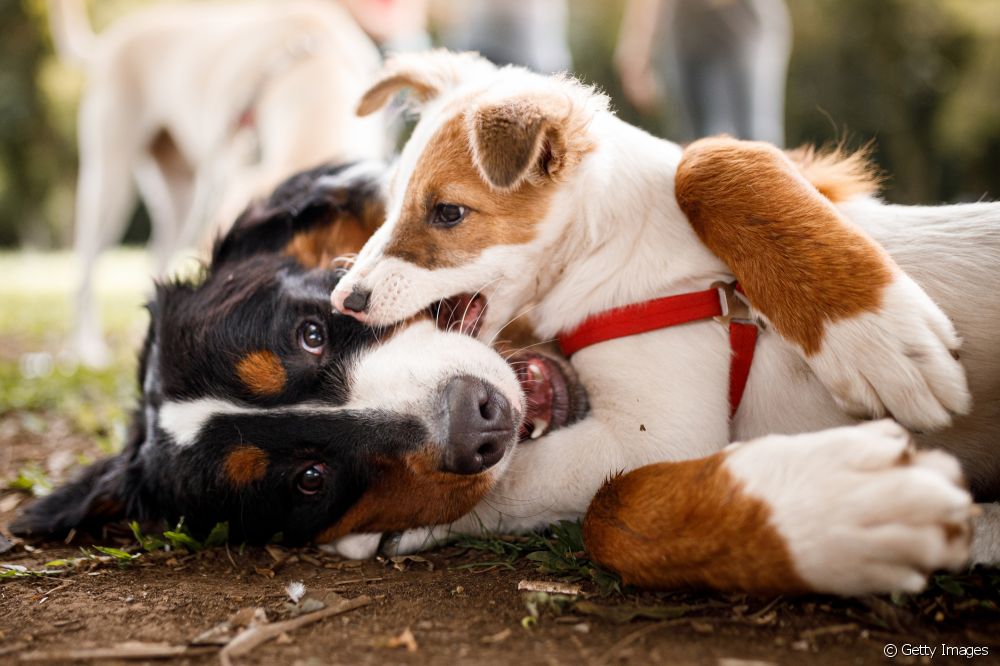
799	261
838	174
320	246
262	373
408	492
445	173
688	524
245	464
535	137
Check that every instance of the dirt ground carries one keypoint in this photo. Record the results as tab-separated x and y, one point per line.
460	604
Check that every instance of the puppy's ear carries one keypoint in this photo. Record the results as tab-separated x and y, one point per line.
95	497
526	138
427	74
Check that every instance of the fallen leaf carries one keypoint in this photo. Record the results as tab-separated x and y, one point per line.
405	639
403	562
248	617
498	637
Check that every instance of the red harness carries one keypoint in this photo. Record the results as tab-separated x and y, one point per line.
721	302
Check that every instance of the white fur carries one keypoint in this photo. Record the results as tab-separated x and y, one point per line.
614	235
882	525
191	70
375	382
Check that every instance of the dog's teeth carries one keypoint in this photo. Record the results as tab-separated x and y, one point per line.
535	372
541	425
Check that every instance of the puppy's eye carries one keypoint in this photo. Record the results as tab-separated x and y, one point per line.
312	337
448	215
312	479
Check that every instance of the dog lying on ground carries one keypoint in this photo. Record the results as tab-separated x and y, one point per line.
201	107
522	196
262	408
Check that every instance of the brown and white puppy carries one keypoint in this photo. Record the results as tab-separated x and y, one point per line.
200	107
525	196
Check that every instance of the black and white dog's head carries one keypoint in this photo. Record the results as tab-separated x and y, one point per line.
262	407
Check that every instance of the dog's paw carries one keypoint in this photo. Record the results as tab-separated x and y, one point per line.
390	544
859	509
354	546
899	361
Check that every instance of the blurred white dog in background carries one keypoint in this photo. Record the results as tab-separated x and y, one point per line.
200	107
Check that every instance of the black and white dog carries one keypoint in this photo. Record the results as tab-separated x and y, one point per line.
262	407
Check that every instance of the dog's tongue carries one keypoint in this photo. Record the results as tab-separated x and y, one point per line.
461	313
536	384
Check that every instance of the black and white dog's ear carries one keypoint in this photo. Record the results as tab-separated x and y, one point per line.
317	200
95	497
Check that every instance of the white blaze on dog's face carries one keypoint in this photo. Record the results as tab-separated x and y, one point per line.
474	201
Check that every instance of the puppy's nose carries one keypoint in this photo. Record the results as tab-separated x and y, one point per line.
353	303
481	424
357	301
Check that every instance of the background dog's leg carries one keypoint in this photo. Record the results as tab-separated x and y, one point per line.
868	332
845	511
159	203
105	197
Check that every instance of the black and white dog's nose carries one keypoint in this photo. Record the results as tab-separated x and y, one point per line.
480	425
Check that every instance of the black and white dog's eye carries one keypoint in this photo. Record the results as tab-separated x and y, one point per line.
312	479
312	337
448	215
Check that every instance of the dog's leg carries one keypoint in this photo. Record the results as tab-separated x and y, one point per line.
105	196
156	195
847	511
868	332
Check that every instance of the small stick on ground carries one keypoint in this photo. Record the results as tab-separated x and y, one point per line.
251	638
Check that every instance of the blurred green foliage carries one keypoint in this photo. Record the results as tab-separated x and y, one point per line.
919	77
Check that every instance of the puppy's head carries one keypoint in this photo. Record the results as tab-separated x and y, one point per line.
478	198
262	407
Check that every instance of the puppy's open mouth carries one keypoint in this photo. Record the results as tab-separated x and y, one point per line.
554	398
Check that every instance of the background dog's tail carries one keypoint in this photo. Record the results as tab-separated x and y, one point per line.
71	31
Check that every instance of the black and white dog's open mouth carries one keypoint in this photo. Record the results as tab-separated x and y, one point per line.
554	397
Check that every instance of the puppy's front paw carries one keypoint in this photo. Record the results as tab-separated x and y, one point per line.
900	360
354	546
860	510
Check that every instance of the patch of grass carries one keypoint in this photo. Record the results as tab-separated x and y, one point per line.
181	537
559	552
31	479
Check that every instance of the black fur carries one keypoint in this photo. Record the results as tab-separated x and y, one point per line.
252	297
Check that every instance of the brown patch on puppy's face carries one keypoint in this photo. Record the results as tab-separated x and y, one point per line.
446	175
410	491
688	524
245	464
262	373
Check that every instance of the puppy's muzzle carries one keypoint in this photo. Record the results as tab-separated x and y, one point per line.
479	425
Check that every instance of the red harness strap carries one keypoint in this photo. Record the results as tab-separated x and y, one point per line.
672	311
